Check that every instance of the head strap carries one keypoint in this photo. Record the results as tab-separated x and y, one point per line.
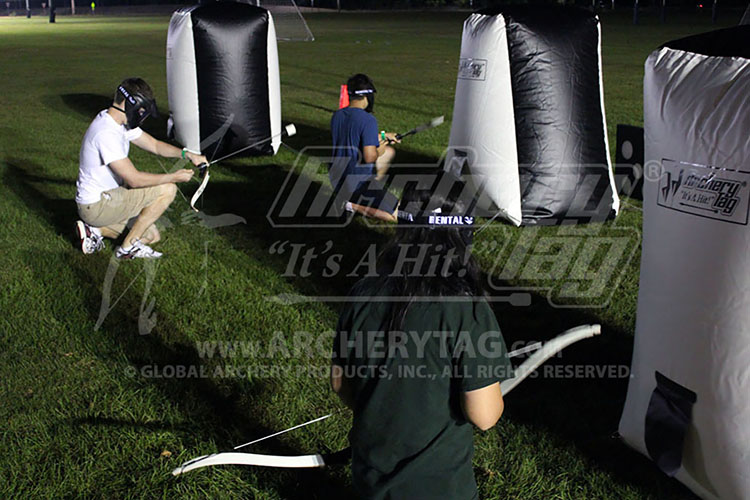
436	219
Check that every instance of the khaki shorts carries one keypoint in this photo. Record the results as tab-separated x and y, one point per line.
118	206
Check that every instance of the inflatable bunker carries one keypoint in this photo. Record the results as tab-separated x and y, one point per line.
688	400
223	78
529	130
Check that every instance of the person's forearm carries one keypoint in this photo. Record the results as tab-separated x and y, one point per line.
146	179
382	148
167	150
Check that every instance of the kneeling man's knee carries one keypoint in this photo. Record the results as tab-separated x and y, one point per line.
169	190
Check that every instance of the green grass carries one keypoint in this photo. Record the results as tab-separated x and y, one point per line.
77	423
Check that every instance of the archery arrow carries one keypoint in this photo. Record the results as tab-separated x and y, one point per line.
284	431
435	122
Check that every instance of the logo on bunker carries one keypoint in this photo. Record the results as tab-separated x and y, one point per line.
704	191
472	69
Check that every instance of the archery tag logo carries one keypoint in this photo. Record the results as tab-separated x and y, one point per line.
704	191
472	69
576	265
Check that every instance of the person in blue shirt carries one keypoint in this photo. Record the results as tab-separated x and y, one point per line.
361	154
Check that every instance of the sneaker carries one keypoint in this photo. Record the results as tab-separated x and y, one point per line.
91	239
137	251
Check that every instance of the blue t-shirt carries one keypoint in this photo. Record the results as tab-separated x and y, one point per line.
352	129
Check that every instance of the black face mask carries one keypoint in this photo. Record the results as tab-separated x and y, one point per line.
137	108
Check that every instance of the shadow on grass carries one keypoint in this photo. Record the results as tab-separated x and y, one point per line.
583	411
61	213
88	105
220	411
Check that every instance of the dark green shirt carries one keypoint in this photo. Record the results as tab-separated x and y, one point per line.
409	437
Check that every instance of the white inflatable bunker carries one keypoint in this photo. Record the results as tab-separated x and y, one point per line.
529	131
688	400
223	78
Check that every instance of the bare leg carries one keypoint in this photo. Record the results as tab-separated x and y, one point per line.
383	163
108	232
151	235
375	213
150	214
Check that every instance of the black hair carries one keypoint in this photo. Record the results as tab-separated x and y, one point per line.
134	86
404	267
359	82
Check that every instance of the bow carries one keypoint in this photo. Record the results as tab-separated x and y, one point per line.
236	458
286	462
204	175
549	349
289	131
525	369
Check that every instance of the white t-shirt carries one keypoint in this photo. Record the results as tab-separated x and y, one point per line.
104	142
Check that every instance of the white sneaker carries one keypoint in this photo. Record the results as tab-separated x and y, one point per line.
91	239
137	251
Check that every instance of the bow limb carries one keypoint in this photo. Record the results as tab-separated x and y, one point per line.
548	350
235	458
204	174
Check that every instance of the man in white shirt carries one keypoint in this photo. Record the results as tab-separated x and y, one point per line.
105	204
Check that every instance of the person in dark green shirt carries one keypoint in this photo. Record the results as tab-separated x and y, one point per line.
419	356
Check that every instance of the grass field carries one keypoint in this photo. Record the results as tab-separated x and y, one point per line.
84	412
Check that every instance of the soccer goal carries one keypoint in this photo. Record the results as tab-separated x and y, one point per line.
288	19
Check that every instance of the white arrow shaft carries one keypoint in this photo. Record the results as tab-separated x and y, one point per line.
284	431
